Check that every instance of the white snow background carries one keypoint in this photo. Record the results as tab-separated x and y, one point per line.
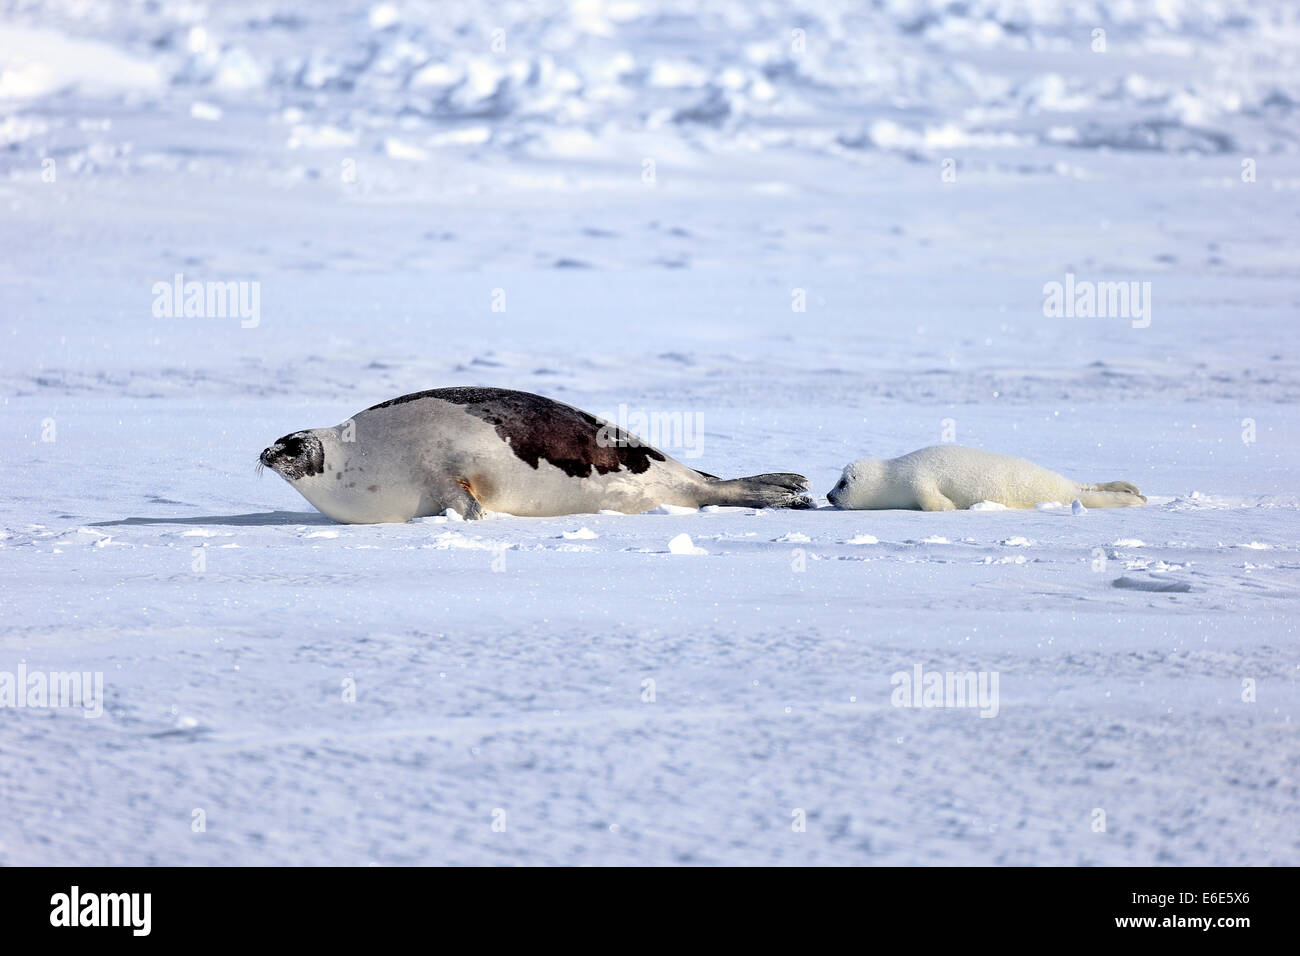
650	187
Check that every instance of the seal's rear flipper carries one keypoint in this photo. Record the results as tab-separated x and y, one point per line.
1118	486
1111	494
782	490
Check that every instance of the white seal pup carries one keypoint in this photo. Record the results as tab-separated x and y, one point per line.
471	449
946	477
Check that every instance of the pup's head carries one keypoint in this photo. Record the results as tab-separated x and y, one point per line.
858	485
295	456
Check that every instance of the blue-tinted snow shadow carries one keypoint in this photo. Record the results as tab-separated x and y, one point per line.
248	520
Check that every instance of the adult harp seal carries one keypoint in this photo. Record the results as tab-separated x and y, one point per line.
476	449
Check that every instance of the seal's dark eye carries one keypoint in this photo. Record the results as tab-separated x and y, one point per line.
290	445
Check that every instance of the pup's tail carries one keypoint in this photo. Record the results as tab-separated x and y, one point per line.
782	490
1111	494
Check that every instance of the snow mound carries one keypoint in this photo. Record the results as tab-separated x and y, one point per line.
863	539
682	544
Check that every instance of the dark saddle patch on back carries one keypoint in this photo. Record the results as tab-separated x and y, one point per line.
539	428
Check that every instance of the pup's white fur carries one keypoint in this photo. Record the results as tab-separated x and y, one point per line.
944	477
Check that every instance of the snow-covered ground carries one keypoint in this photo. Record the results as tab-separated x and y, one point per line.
625	205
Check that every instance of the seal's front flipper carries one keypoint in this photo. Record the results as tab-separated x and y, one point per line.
456	495
934	501
465	502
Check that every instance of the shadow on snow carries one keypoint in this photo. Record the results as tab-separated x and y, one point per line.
248	520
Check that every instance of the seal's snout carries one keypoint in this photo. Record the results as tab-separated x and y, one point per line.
295	456
833	496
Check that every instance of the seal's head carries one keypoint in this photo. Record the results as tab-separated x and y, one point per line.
860	485
300	455
332	471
